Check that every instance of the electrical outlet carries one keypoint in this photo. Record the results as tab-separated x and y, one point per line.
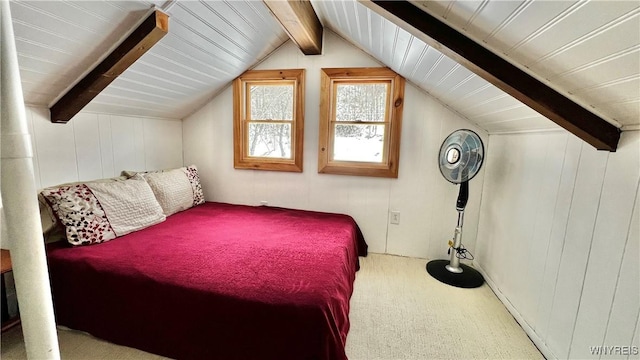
395	217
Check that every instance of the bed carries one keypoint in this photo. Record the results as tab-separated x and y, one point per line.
216	281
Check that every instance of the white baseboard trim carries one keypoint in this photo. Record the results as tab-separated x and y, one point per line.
538	342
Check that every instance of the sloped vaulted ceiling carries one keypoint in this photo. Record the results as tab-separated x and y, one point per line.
589	50
598	30
208	45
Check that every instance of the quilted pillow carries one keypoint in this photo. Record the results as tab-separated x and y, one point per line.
170	188
97	212
130	205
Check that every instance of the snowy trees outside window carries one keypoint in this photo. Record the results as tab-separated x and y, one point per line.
360	108
271	110
360	121
268	120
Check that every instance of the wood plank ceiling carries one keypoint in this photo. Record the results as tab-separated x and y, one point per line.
501	73
208	45
588	50
599	47
153	28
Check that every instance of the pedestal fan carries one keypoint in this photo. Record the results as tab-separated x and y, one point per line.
460	160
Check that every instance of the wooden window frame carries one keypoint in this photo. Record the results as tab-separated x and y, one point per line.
330	77
241	158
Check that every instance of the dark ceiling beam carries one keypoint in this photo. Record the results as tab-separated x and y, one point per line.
300	22
540	97
147	34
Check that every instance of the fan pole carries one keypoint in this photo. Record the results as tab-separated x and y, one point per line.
452	272
454	263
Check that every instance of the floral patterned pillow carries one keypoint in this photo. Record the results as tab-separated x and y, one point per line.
96	212
52	229
81	214
194	179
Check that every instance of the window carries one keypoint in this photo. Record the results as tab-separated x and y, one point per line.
268	120
360	122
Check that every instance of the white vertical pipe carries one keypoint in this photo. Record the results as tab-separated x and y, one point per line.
20	202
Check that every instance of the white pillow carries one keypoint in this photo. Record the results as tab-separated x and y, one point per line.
172	190
130	205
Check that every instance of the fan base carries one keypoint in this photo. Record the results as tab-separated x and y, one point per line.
468	278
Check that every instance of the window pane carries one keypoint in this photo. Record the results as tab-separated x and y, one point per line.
270	140
361	102
358	143
271	102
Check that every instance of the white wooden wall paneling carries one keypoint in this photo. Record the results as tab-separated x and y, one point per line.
564	197
505	189
415	180
138	145
489	224
609	238
124	130
624	309
203	132
371	210
162	154
88	153
579	287
577	246
548	180
106	145
56	149
94	146
222	132
521	191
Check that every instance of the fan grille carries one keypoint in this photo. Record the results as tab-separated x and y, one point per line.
461	156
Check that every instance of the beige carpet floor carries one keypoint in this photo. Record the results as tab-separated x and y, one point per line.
397	312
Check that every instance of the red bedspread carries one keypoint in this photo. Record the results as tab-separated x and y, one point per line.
217	281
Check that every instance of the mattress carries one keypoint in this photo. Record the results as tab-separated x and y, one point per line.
217	281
